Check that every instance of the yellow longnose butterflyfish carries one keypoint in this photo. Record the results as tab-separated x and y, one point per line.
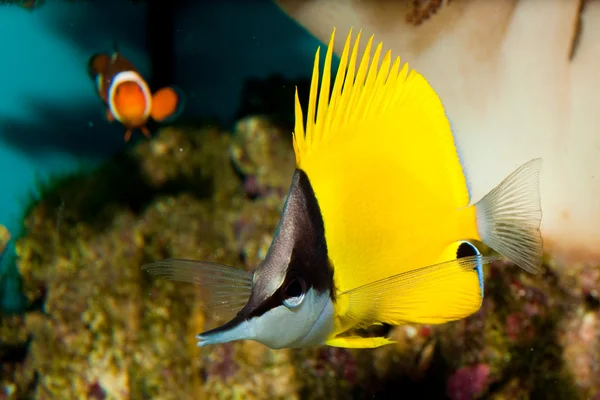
378	225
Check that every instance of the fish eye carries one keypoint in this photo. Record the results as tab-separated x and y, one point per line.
293	292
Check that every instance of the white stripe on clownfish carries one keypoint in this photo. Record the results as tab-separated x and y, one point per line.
129	76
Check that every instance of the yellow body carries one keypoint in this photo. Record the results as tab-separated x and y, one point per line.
382	161
377	160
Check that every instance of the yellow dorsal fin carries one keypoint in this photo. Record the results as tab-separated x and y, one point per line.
380	156
373	93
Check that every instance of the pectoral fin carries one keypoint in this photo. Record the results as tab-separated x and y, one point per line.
224	289
433	294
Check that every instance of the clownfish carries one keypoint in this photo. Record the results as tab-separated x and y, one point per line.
127	96
378	226
30	4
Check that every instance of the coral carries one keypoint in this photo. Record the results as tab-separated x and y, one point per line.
4	238
113	332
15	377
422	10
580	325
577	29
326	372
262	156
14	380
260	153
468	382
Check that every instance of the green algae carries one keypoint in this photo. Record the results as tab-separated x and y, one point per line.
102	330
106	326
11	299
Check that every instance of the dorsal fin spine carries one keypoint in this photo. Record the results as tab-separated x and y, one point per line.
337	86
367	93
350	113
340	111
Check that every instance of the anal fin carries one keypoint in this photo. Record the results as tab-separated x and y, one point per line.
128	134
358	342
145	131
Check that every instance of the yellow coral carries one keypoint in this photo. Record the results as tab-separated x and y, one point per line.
4	238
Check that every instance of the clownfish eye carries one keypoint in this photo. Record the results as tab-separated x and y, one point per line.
293	292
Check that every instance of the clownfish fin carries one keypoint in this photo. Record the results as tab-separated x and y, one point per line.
145	131
97	64
31	4
128	133
167	103
109	115
358	342
434	294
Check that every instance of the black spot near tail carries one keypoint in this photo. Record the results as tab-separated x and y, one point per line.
466	249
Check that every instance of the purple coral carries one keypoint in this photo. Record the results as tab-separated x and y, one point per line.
252	186
519	327
334	360
224	365
96	392
468	382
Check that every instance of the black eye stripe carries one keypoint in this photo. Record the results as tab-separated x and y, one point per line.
309	259
274	300
294	288
267	305
310	248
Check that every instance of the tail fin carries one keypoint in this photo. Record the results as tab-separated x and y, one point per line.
509	217
167	103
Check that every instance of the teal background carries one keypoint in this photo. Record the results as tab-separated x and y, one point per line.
51	120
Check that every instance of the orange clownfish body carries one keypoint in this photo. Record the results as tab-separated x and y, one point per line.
127	95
